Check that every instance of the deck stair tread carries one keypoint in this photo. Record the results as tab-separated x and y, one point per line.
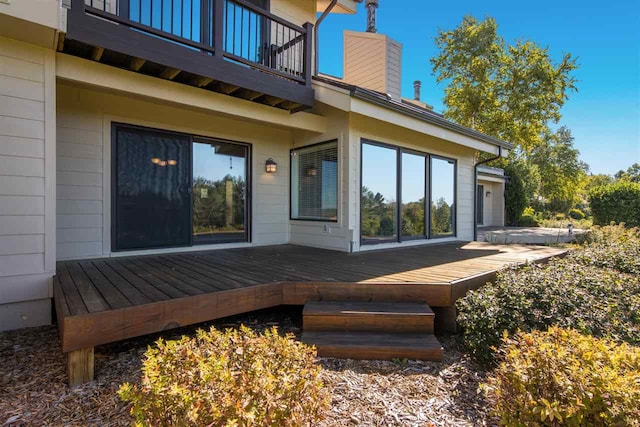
368	316
374	345
319	308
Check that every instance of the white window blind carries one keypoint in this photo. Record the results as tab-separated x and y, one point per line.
314	182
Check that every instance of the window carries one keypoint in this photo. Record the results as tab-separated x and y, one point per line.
219	192
413	191
442	196
397	188
314	182
379	193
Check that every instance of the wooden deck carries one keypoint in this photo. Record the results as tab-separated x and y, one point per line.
105	300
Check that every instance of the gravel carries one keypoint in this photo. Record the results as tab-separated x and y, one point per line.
33	388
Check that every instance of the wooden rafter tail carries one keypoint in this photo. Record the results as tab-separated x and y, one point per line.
169	73
136	63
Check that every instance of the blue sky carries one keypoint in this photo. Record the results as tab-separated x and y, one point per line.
604	116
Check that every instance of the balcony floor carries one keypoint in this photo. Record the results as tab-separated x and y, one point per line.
105	300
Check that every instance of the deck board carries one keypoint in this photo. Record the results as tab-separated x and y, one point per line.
103	300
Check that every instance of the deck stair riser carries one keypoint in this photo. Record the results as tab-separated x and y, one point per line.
371	331
375	346
368	317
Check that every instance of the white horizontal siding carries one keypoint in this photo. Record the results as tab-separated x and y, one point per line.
21	108
21	186
19	88
23	147
22	163
22	166
21	205
65	206
22	244
27	182
14	265
12	225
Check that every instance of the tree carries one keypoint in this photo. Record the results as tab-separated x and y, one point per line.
592	181
560	168
441	217
515	197
378	215
511	92
631	174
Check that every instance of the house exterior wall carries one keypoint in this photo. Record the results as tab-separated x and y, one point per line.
493	214
328	235
298	12
84	164
32	21
27	183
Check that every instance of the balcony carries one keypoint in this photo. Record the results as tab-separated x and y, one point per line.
228	46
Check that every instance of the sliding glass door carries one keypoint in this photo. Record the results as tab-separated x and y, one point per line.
219	192
152	189
171	189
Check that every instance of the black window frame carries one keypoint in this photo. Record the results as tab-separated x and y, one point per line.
480	204
192	138
338	207
428	194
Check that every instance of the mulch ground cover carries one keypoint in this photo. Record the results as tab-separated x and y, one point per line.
33	388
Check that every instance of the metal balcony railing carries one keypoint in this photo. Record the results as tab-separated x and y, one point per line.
235	30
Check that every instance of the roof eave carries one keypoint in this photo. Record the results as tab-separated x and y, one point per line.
434	119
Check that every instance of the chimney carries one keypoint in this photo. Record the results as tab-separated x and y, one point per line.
371	6
416	90
373	61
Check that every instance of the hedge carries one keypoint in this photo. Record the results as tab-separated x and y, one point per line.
616	202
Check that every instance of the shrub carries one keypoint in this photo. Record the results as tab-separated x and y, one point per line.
561	377
231	378
515	197
596	301
616	202
614	247
576	214
583	224
528	221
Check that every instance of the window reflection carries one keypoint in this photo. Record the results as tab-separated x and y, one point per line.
219	189
314	182
442	197
413	195
150	193
379	193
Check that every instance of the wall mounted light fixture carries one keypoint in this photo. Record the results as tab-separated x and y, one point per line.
270	165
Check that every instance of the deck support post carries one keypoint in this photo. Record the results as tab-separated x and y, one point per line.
446	319
80	366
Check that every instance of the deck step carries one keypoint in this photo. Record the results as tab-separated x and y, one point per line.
374	345
368	317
